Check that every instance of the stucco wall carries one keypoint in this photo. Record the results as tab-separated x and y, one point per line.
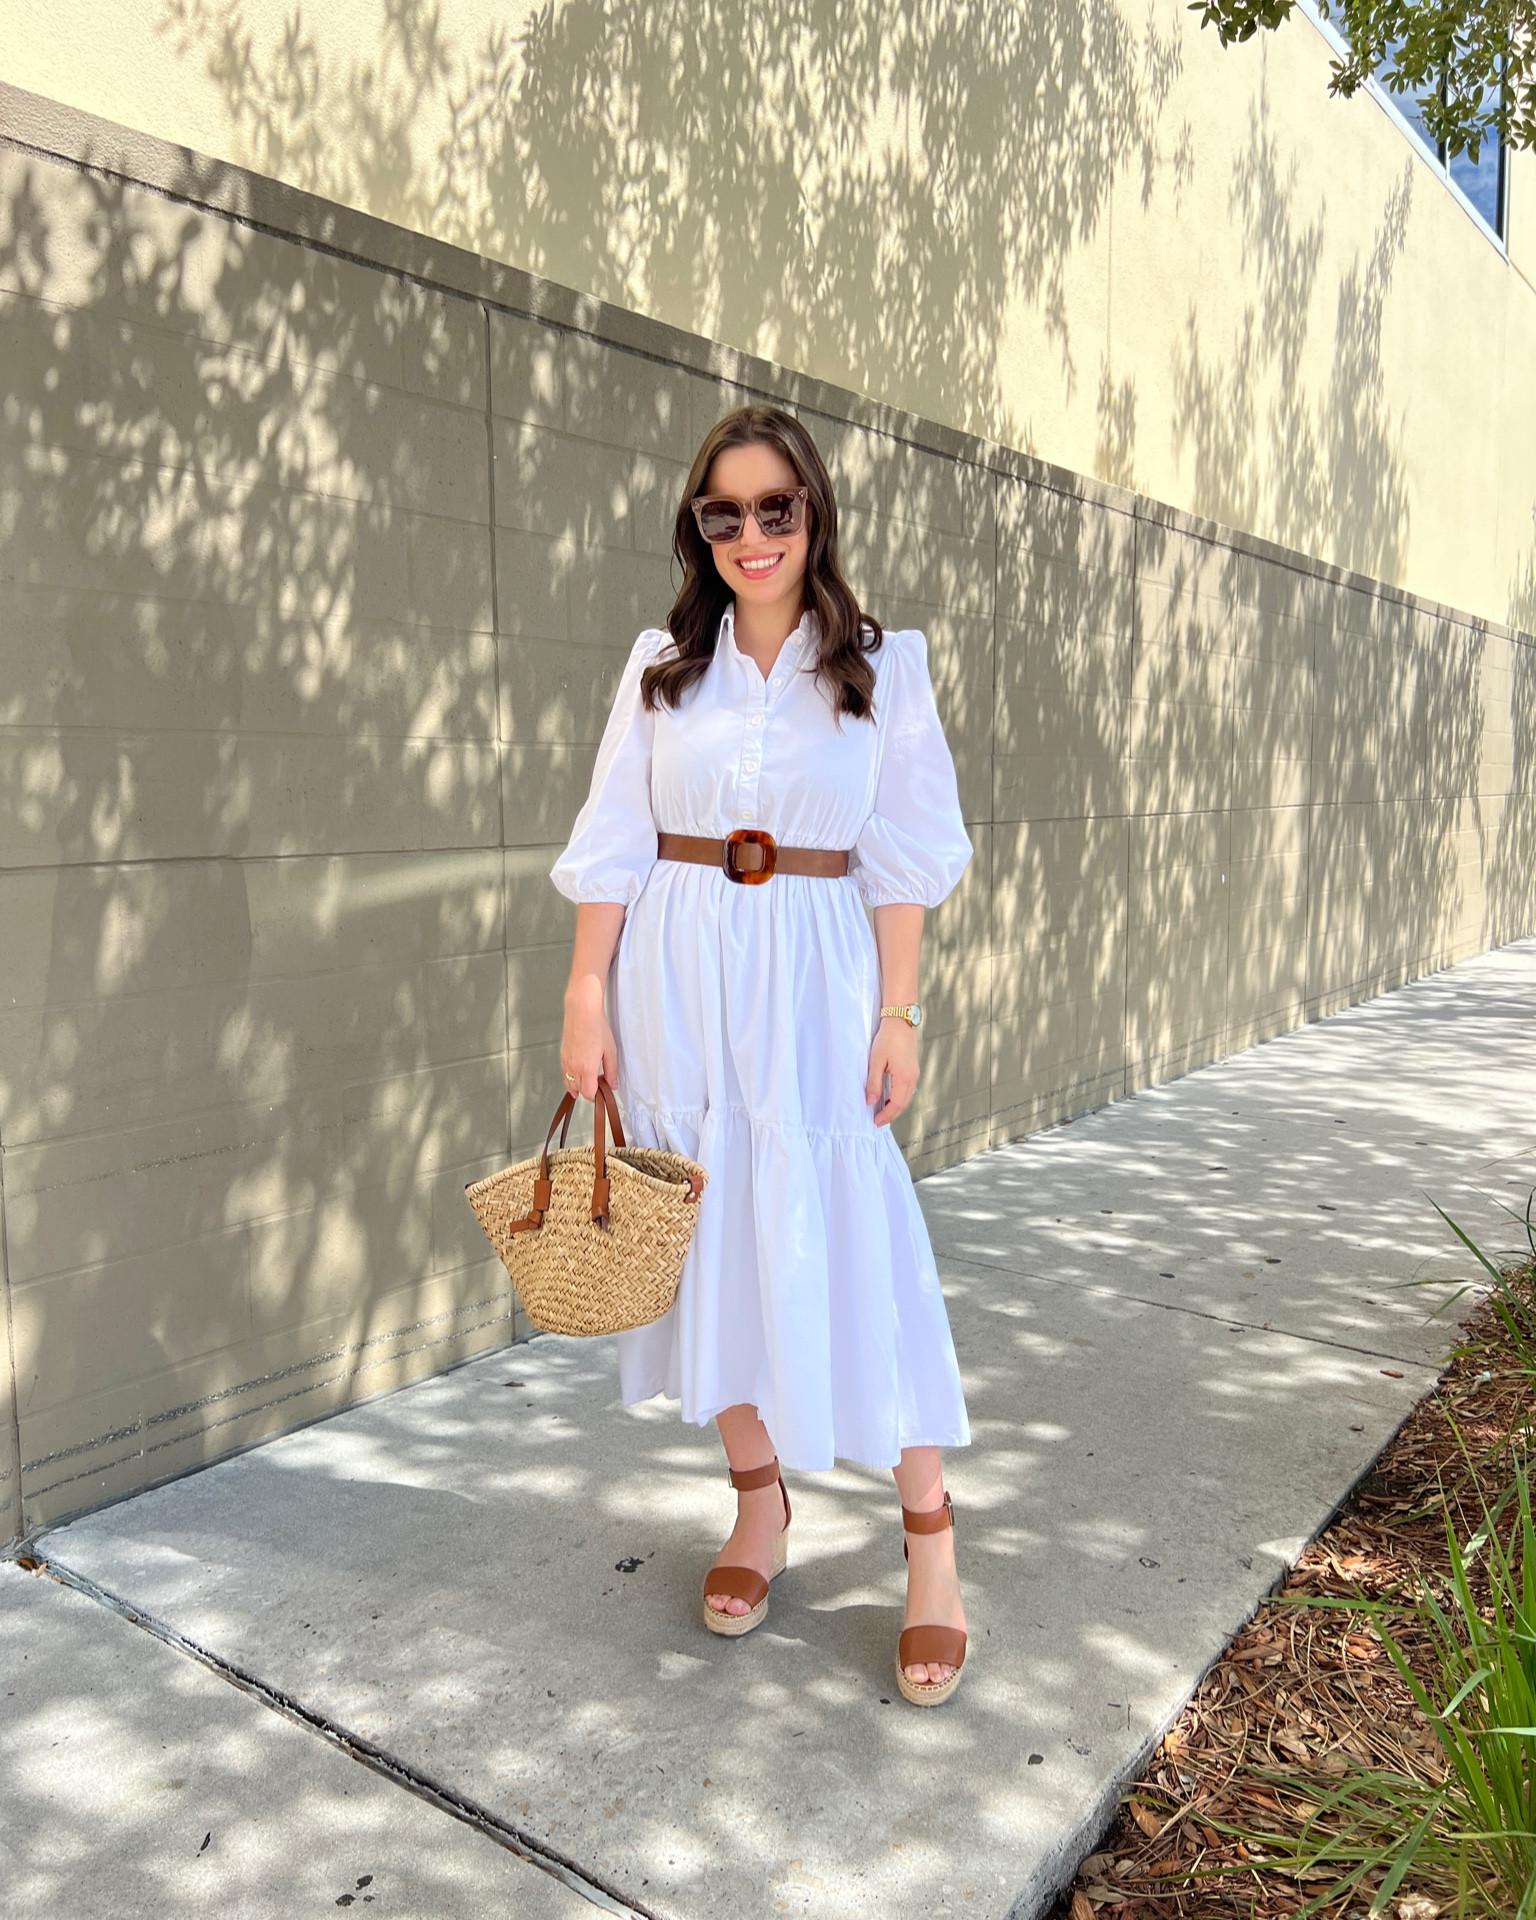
319	559
1079	228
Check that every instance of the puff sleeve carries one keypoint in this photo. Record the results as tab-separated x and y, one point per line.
914	846
612	847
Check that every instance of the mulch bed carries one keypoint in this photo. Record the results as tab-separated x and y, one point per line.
1311	1690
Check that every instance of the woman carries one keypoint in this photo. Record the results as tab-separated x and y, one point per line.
756	1023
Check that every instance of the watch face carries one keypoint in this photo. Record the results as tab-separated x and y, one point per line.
917	1015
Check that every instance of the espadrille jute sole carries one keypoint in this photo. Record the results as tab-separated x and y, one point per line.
733	1625
930	1695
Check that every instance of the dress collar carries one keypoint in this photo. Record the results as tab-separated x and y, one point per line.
805	632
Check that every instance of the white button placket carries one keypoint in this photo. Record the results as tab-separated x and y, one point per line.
756	726
752	747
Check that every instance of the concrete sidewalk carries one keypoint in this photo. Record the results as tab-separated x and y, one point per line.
1185	1329
137	1783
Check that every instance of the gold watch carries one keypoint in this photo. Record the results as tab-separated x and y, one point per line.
912	1013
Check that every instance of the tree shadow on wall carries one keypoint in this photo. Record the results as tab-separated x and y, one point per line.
1522	588
1351	750
1317	465
853	187
255	1033
1357	722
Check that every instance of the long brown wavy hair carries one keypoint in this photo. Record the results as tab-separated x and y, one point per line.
848	635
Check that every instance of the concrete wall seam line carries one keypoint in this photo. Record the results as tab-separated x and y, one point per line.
1126	943
490	472
51	131
514	1305
995	492
10	1416
1308	828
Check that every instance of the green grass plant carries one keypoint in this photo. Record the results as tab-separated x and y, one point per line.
1512	1299
1462	1834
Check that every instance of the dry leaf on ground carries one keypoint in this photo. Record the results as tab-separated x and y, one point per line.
1145	1818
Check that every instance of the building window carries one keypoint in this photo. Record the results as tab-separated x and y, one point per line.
1483	183
1481	180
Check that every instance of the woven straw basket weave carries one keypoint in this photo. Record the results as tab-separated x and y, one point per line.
593	1237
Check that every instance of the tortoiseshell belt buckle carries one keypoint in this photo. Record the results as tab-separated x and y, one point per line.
750	837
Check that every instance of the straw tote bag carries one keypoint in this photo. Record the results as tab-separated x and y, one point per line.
594	1238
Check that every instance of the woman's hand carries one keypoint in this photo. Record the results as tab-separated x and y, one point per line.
893	1052
587	1045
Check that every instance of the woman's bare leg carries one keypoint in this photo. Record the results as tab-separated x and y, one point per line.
759	1515
933	1584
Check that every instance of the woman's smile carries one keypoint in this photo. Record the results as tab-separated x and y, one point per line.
758	566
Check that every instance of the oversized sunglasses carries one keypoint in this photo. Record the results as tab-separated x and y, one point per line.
778	513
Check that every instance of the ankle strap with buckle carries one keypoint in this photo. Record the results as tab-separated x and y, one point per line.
934	1522
750	1479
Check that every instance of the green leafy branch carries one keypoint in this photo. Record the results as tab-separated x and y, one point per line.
1470	65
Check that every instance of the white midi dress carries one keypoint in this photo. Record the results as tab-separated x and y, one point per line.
743	1018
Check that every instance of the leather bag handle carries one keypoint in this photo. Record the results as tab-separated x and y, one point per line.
568	1106
543	1185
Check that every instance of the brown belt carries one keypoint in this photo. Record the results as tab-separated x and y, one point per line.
751	855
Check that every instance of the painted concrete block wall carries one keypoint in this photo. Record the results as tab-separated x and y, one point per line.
253	1032
316	578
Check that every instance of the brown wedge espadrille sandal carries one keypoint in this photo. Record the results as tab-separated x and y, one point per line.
929	1646
745	1583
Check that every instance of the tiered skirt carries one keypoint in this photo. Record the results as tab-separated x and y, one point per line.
743	1018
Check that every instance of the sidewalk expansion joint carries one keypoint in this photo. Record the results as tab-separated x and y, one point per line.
1471	1288
378	1759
